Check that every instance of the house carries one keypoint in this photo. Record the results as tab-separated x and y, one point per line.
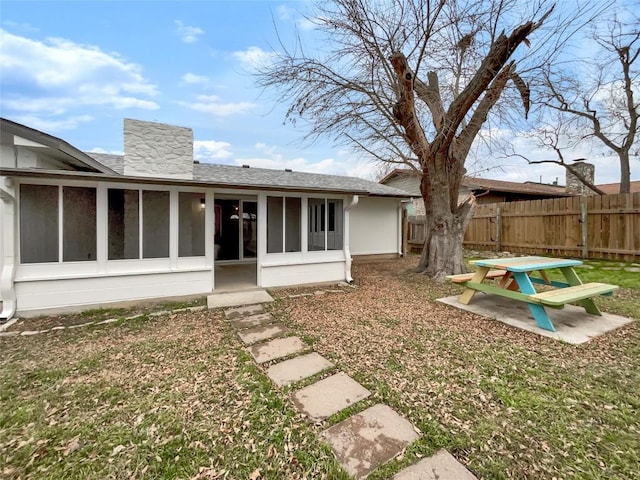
614	188
83	229
485	190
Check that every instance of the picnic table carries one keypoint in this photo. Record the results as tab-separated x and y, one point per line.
515	278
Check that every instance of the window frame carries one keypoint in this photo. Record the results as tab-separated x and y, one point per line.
60	223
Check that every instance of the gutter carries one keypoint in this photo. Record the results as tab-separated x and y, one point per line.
116	178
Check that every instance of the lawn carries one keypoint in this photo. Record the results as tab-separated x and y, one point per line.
176	396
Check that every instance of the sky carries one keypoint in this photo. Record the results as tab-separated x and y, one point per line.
76	69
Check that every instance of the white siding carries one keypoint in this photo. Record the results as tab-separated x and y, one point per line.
284	275
76	293
374	226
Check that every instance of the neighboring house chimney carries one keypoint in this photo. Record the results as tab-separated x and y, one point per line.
587	170
157	150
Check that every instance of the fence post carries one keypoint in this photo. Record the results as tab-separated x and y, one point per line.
498	230
583	225
405	232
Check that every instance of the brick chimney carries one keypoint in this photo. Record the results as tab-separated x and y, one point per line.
587	170
157	150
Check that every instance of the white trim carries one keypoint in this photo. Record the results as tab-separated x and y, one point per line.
60	225
8	247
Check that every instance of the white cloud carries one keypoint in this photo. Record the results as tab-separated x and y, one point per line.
49	125
286	13
254	57
272	156
206	150
23	26
102	150
193	79
307	23
213	105
187	33
60	76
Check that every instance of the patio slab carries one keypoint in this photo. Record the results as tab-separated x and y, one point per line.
262	332
234	299
252	321
244	311
573	324
276	348
328	396
298	368
441	466
365	441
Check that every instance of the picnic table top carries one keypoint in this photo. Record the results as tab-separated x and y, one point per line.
526	264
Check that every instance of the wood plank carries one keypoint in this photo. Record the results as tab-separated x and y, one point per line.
552	227
465	277
485	287
563	296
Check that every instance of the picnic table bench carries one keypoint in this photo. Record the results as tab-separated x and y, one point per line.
515	280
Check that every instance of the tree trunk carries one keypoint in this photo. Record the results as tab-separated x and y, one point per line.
442	253
445	225
625	172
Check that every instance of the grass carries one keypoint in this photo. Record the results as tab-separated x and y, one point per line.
177	396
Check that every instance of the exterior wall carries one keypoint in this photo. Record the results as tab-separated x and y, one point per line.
19	156
284	275
157	150
40	287
375	226
39	296
298	268
408	183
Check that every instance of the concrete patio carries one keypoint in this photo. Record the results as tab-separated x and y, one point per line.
573	325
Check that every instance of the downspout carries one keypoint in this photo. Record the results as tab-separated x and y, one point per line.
8	273
347	252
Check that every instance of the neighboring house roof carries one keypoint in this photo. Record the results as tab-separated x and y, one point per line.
473	183
235	176
613	188
515	187
55	147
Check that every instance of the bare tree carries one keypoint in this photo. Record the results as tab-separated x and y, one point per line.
597	98
560	136
411	82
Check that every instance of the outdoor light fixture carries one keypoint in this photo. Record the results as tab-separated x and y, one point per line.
202	202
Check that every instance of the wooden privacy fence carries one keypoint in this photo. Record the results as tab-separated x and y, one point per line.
597	226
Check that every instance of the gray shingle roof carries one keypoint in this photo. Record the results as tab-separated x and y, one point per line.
261	178
114	162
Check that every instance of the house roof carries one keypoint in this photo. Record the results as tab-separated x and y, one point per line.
613	188
108	167
261	178
474	183
514	187
54	147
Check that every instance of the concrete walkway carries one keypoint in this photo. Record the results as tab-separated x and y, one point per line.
363	441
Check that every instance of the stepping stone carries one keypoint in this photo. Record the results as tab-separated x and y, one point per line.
329	396
236	299
277	348
245	311
441	466
252	321
365	441
262	332
296	369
